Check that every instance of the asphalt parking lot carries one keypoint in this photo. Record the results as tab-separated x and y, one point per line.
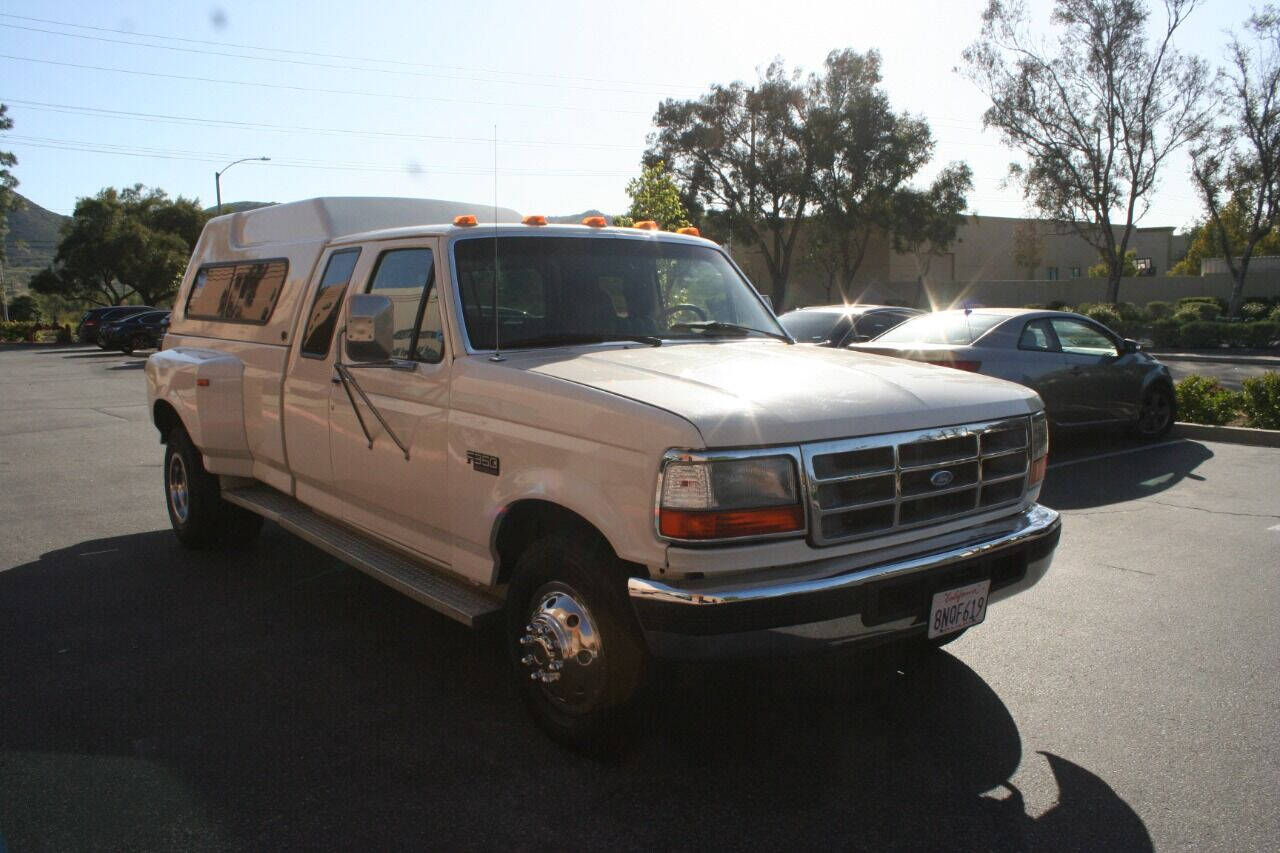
151	698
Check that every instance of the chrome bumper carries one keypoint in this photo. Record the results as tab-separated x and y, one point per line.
881	601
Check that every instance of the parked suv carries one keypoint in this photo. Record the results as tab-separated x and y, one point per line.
87	331
598	439
134	332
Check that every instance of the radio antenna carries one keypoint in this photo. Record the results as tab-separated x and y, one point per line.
497	326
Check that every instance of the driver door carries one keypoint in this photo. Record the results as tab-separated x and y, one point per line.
403	500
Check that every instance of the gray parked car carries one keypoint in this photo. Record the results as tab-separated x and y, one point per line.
1086	374
837	325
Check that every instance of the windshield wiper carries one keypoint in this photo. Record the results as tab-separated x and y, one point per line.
569	338
722	329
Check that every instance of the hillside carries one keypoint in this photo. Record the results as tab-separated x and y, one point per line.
30	244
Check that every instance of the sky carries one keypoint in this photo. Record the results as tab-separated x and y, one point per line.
405	99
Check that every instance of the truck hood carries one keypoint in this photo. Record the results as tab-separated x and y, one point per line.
743	393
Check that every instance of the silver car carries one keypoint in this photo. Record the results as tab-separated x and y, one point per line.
1086	374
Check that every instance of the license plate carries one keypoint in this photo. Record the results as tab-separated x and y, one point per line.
956	609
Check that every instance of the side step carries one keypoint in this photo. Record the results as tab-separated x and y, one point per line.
453	598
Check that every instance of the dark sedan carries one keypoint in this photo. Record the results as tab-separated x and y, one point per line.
837	325
134	332
93	319
1086	374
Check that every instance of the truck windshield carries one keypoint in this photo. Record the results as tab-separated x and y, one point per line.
570	290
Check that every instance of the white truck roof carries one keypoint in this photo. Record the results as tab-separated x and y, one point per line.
319	220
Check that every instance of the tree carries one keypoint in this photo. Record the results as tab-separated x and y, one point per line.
23	309
1096	116
1208	237
1130	269
1028	247
8	201
866	156
656	198
1236	162
744	153
122	244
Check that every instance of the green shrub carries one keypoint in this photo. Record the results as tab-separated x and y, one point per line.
1254	310
1129	312
1264	333
1159	310
1205	300
1201	400
1058	305
14	331
1196	311
1104	314
1274	316
1199	334
1260	401
1166	332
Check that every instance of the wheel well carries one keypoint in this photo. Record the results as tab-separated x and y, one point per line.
526	521
165	417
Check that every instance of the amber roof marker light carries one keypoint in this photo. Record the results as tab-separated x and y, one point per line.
534	219
690	230
465	220
646	225
594	221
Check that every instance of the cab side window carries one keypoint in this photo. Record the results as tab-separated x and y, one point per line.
406	277
324	310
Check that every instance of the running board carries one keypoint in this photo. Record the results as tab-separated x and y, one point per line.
428	586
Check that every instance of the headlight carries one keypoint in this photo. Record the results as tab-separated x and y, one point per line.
729	498
1039	448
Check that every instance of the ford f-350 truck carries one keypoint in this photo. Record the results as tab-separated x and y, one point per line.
600	438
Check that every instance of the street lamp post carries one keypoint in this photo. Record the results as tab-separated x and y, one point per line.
217	178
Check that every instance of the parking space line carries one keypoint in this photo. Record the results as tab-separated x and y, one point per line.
1067	462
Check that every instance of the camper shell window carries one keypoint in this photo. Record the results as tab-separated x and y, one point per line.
243	292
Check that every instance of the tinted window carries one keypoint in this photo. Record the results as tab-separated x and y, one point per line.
555	290
949	327
241	293
1082	339
405	276
878	323
812	326
324	310
1036	335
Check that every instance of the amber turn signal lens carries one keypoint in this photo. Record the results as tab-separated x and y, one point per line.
534	220
715	524
465	220
1036	473
646	225
690	230
595	221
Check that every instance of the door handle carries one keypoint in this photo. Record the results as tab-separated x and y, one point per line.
335	379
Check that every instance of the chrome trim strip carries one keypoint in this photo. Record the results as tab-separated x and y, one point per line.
1035	523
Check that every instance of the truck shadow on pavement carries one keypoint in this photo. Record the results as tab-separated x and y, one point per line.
1125	477
156	698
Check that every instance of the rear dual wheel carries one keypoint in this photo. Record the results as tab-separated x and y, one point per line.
199	515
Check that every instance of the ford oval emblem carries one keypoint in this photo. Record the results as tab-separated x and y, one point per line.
941	479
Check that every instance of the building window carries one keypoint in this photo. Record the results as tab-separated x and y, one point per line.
1145	267
1052	273
1075	272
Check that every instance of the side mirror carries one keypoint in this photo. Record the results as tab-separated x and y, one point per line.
369	327
1131	345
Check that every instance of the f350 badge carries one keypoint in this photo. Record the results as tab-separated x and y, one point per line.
483	462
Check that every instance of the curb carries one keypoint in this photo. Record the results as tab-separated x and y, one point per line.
1228	434
1264	361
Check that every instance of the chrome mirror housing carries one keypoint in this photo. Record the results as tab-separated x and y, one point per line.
370	328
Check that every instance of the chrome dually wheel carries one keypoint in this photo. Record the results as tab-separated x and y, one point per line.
563	647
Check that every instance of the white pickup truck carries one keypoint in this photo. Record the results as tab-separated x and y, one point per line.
600	437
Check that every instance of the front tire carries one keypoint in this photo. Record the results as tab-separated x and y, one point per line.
200	517
1156	413
576	649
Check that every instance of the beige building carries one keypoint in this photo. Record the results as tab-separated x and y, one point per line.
987	248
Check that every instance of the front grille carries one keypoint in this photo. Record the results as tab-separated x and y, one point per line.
861	487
